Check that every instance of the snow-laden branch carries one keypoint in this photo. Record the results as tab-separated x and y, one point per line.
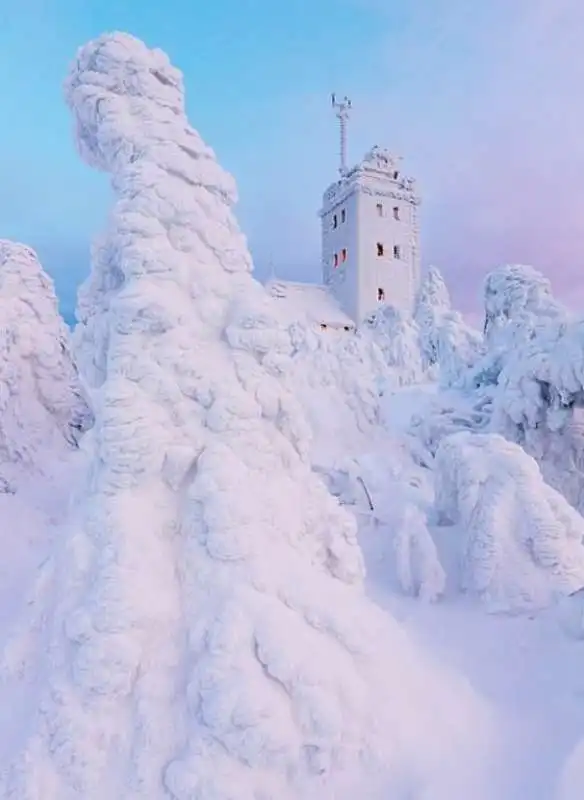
42	406
521	542
209	640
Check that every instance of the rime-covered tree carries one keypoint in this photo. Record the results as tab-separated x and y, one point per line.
210	638
520	541
449	346
398	338
43	410
518	300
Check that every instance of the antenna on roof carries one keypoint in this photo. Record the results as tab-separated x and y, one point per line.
342	109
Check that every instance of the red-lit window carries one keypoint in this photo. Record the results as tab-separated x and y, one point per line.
336	260
344	254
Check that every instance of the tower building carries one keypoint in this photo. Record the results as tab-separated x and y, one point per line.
370	236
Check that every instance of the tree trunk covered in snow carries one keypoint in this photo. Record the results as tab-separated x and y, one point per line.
209	642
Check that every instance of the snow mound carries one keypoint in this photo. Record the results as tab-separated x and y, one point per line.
449	346
208	636
42	406
521	541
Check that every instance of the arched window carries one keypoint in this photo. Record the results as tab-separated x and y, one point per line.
336	260
344	254
380	249
380	295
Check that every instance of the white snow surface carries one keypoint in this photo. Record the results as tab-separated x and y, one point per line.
200	631
43	410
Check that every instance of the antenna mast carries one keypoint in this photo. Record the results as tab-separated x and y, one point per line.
342	109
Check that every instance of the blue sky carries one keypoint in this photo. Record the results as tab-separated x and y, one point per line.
482	99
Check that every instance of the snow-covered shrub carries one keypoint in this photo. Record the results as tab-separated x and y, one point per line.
208	639
42	406
520	541
449	345
446	413
419	570
398	338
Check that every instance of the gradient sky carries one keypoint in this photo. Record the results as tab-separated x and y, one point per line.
483	99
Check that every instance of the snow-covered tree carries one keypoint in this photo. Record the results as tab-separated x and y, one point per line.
518	300
210	638
520	541
43	410
449	345
398	338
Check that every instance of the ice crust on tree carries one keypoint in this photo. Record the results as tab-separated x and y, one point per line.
209	638
42	405
521	541
449	346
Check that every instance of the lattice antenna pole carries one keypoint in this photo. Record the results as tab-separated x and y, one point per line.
342	109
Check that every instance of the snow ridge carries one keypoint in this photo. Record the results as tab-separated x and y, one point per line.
209	640
42	405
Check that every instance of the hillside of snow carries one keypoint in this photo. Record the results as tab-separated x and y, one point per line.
249	557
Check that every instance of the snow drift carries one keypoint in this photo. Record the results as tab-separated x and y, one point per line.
209	636
43	411
521	542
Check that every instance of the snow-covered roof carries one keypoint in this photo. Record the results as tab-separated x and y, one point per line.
312	300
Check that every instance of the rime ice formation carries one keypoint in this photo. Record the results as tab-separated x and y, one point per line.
208	640
535	358
519	296
398	337
42	407
449	346
522	542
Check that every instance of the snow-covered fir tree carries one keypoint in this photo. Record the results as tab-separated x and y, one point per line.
449	345
43	410
209	637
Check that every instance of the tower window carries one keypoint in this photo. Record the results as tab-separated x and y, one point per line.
335	221
343	215
336	260
380	295
344	254
379	209
380	249
396	212
396	175
396	251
